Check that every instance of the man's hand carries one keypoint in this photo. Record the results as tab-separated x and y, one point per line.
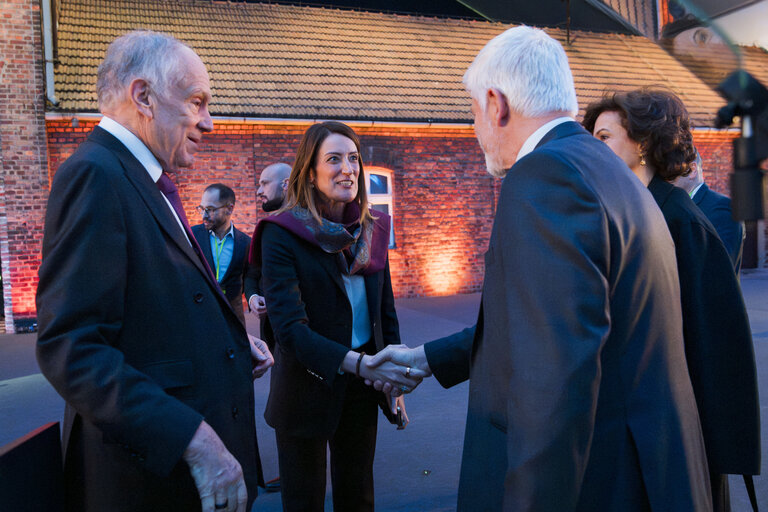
413	358
262	357
258	305
217	474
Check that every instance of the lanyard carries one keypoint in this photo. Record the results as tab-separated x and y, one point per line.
219	250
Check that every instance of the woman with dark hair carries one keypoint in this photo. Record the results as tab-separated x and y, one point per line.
649	129
327	286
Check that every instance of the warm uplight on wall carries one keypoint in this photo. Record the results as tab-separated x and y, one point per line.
446	265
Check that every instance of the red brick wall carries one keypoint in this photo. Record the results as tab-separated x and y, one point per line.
716	150
443	198
23	157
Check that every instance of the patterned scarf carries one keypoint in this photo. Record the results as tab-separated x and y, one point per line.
359	250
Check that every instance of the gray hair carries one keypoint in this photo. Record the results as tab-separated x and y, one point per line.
529	68
139	54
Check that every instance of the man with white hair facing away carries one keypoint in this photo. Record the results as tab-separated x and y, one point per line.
579	396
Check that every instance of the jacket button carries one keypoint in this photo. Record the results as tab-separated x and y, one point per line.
198	297
235	412
231	353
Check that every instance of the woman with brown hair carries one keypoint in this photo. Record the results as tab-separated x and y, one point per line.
649	129
327	286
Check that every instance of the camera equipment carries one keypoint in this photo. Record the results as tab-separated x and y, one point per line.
748	99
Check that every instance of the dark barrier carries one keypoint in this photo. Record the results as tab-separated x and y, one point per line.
31	472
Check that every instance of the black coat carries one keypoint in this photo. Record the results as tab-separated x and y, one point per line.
312	320
253	286
718	338
717	209
136	338
232	281
579	399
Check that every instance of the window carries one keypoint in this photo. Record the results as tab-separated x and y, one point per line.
379	187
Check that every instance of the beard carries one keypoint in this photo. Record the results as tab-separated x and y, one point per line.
272	204
494	167
490	147
493	164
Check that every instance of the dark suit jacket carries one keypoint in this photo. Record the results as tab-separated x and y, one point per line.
232	282
312	320
136	338
717	209
718	338
253	286
579	396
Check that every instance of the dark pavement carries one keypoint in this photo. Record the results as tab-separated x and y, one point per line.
416	469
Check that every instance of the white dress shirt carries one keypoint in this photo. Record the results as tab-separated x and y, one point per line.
142	153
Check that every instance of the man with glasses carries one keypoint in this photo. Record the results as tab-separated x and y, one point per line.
224	246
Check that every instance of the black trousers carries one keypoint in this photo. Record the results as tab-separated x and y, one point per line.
302	461
721	495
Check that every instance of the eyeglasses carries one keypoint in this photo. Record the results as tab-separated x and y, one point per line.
210	210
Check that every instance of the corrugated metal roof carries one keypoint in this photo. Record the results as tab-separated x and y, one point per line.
269	60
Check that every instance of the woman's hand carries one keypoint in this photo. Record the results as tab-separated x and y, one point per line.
402	378
400	404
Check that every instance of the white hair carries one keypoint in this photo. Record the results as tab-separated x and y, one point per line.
529	68
139	54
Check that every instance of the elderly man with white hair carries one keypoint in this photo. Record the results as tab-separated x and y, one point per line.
155	366
579	396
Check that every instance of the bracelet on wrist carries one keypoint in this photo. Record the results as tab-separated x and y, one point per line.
359	360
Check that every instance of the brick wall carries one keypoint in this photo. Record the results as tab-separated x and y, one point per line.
443	198
23	157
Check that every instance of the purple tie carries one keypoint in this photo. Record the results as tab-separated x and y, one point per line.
169	190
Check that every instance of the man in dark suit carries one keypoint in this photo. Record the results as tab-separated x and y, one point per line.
155	367
224	246
579	396
717	208
272	184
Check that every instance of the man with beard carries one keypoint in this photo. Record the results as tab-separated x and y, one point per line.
579	395
272	184
224	246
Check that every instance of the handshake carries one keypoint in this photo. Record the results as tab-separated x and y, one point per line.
396	370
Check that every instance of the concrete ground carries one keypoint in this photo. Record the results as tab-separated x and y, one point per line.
416	469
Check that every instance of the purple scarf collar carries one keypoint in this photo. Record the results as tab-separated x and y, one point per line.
359	250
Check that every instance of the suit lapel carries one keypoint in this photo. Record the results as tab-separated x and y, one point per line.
139	177
204	240
238	253
330	265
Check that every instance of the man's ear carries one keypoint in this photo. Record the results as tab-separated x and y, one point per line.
498	107
284	184
141	98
